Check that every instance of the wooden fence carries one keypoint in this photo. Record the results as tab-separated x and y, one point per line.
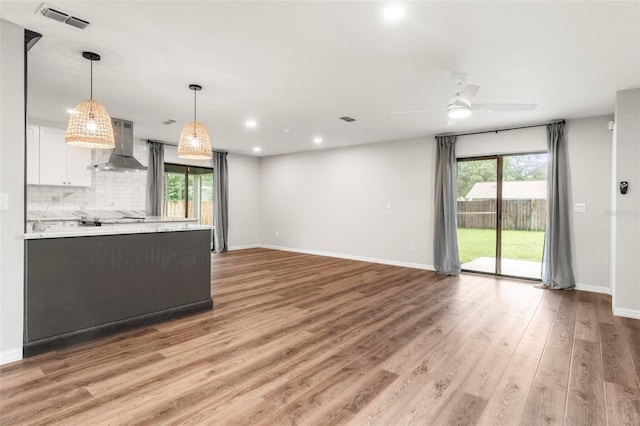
522	215
176	209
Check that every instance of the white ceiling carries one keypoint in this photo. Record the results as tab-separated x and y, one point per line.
301	65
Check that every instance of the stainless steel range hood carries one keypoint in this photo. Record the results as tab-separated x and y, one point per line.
121	158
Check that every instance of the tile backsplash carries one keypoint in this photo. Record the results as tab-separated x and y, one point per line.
108	190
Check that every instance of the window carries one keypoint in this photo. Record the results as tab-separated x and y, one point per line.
188	192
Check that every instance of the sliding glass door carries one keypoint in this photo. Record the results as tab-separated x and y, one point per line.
502	214
477	214
188	192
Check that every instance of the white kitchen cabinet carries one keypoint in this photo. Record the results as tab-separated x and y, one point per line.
33	155
62	164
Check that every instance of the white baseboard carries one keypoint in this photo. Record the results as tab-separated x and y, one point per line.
627	313
248	246
593	288
352	257
10	356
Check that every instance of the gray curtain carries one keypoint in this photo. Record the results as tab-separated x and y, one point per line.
155	179
557	270
220	201
446	259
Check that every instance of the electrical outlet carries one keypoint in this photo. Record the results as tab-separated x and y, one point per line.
388	204
413	247
277	234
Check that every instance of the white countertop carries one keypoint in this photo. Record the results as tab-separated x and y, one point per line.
166	225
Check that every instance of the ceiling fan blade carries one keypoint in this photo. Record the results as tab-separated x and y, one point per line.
417	111
504	107
469	91
451	122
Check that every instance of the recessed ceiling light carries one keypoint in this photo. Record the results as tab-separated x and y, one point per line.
286	130
393	12
72	111
317	140
251	124
257	149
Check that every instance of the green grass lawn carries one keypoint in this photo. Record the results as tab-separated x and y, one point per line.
521	245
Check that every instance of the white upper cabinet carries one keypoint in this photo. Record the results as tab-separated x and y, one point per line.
62	164
78	159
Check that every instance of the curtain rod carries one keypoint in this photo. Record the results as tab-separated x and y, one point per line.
172	144
501	130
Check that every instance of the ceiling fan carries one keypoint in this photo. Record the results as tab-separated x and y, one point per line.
462	106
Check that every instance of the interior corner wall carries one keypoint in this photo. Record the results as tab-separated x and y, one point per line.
369	202
625	218
12	137
589	142
244	201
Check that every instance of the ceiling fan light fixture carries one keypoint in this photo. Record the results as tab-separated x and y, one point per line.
459	111
195	143
90	124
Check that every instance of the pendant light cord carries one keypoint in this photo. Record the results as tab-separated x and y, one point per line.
91	90
195	94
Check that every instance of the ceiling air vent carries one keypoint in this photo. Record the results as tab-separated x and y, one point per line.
60	16
77	22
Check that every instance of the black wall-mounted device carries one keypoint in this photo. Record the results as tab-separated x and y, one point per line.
624	187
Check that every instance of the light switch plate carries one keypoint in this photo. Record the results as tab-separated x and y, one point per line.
579	207
4	201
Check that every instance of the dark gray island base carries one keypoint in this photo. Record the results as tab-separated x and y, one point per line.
84	287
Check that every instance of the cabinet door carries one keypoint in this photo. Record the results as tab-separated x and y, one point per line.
33	155
53	156
78	159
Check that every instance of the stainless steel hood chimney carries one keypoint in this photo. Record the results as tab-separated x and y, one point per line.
121	158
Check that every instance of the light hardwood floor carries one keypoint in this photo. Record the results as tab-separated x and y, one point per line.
300	339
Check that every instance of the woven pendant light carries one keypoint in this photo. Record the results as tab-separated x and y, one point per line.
90	125
195	143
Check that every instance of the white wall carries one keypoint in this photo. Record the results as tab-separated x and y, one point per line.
12	183
625	253
335	201
244	201
532	139
589	143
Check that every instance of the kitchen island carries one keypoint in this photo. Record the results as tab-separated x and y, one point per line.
86	282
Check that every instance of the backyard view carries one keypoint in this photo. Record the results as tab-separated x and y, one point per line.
522	198
521	245
189	194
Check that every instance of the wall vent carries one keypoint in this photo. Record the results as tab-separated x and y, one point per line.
61	16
